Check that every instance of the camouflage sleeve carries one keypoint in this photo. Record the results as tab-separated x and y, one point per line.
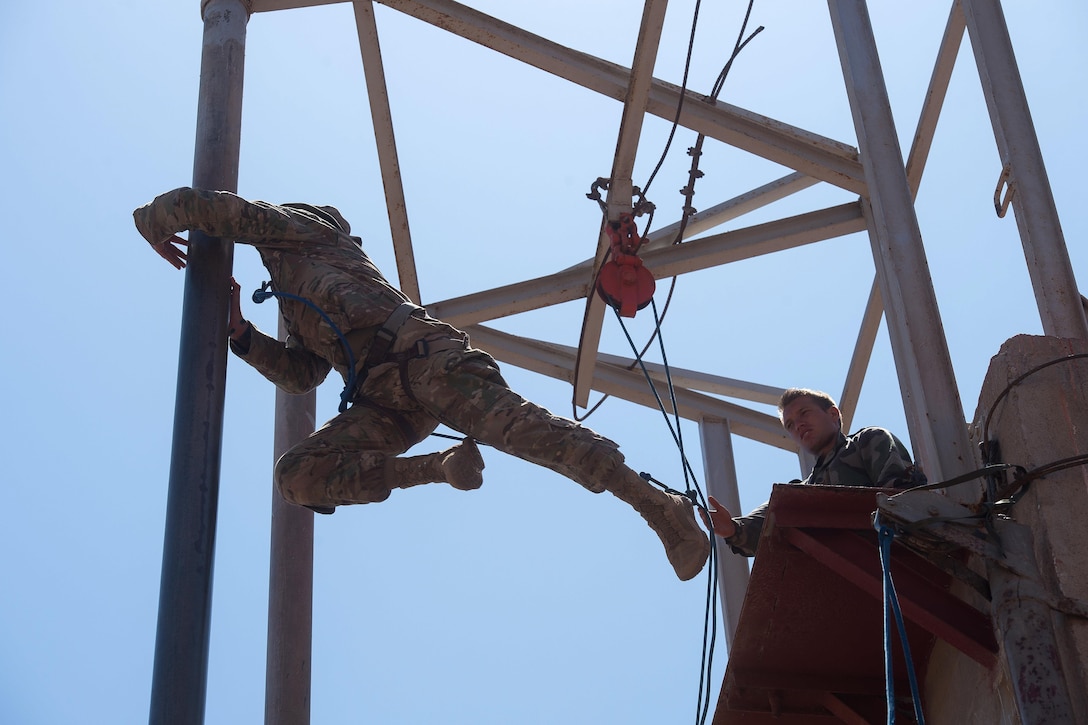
290	367
749	529
887	461
228	216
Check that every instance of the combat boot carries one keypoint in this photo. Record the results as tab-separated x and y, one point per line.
672	519
461	466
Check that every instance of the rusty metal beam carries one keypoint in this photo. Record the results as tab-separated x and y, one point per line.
395	204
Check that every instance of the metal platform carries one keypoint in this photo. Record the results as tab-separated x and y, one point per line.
809	647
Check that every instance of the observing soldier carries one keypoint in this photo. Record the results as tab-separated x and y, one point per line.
870	457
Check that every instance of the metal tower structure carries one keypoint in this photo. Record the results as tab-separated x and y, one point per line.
884	182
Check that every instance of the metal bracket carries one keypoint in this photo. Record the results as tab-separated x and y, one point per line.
1004	181
938	519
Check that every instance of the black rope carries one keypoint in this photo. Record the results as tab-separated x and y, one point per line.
696	151
695	494
679	102
1013	384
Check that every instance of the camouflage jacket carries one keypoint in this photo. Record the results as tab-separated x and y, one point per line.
306	256
870	457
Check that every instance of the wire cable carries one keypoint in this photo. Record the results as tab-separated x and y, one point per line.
892	609
1017	381
695	494
350	381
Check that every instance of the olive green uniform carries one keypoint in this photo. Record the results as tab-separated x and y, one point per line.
871	457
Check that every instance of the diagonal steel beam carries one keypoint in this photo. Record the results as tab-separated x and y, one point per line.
812	154
620	184
916	162
395	204
863	351
935	95
676	259
704	382
731	209
558	362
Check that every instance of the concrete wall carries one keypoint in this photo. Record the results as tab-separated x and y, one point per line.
1039	420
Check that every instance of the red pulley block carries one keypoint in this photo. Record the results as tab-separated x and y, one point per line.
624	283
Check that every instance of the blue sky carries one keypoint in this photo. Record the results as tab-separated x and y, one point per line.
529	600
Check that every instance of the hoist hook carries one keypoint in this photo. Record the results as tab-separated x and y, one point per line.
624	283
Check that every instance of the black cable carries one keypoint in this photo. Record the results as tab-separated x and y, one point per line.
680	102
350	380
696	151
695	494
1013	384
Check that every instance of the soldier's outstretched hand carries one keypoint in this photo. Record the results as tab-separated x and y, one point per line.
720	519
171	250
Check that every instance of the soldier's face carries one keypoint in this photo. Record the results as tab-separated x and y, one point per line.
813	428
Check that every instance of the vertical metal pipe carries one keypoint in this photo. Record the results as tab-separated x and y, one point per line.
290	580
721	483
928	384
1051	272
179	680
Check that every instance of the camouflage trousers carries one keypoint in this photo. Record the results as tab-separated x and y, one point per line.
346	460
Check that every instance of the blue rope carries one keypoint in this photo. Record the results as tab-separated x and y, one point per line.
348	392
885	535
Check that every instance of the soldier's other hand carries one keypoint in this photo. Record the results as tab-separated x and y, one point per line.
236	324
720	520
171	250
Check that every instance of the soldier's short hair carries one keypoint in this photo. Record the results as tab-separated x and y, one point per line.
821	398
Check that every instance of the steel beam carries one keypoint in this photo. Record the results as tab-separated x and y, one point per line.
863	351
731	209
703	382
557	361
676	259
935	95
1048	263
720	470
180	675
812	154
928	385
395	204
620	185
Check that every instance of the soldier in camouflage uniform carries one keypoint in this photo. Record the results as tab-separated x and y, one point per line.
411	373
870	457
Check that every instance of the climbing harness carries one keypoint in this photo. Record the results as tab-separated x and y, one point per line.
623	282
346	394
380	346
